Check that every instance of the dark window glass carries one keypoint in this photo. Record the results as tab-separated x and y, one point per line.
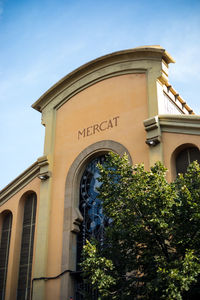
26	255
185	157
94	220
4	252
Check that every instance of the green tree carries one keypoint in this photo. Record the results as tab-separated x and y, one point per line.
152	247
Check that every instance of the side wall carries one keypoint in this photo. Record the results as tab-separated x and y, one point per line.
15	205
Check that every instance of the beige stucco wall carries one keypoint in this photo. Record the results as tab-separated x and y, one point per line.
15	206
123	97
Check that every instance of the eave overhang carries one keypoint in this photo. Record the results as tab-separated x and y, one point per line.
186	124
39	167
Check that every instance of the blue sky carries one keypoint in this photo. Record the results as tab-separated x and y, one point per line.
42	41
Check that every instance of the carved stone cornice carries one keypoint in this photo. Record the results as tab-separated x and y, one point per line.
185	124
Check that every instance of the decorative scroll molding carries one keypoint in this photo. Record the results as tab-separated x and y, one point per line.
152	128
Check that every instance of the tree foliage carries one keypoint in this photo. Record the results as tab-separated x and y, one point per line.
152	247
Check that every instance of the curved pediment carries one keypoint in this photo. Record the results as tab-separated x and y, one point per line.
122	62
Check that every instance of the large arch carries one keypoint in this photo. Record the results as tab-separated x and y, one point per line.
72	215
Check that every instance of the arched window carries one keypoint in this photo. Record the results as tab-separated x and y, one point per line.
94	220
26	255
185	157
4	251
71	204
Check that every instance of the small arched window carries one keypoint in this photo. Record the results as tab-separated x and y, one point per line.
4	251
26	254
185	157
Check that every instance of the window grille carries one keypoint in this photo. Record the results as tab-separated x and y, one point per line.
4	252
26	255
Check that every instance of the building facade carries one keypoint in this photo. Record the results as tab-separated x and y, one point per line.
121	102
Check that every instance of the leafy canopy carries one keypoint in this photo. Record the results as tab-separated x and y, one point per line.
152	247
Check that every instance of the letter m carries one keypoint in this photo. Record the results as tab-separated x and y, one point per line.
81	133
